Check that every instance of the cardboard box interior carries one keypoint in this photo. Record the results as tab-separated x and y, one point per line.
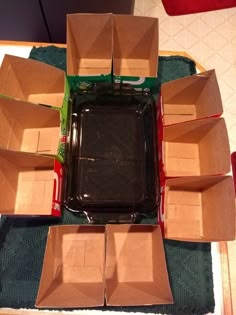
73	268
191	97
28	127
89	44
135	46
200	208
32	81
26	183
198	147
136	272
82	264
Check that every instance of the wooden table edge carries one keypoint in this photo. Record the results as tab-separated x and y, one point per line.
223	246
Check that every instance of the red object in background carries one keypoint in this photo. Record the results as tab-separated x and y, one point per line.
181	7
233	162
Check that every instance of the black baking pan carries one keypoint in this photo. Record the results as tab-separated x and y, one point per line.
111	155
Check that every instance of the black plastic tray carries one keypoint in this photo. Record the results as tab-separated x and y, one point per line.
111	156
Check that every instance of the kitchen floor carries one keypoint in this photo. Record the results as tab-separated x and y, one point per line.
210	38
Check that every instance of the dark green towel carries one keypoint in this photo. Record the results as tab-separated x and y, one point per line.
22	241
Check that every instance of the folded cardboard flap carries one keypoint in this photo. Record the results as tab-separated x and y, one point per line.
32	81
80	260
191	97
136	272
198	147
53	99
135	46
26	183
94	66
28	127
89	44
73	268
200	208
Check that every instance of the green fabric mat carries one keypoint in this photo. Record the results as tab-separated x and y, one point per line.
22	241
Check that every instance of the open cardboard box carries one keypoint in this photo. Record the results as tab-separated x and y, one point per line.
135	50
136	272
32	81
191	97
199	147
89	47
73	268
74	273
200	208
28	127
36	82
29	184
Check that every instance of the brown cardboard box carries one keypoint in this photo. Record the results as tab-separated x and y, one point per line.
199	147
89	45
135	50
136	272
191	97
29	184
38	83
32	81
73	268
28	127
200	208
74	272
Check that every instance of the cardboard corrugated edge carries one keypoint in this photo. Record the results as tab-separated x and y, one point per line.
217	218
130	28
218	161
48	275
28	161
132	296
89	25
201	89
32	81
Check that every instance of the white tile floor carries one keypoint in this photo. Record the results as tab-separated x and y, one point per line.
210	38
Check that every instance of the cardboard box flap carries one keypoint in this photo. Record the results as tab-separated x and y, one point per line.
73	268
191	97
136	272
89	44
32	81
26	183
200	208
135	46
26	160
198	147
28	127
